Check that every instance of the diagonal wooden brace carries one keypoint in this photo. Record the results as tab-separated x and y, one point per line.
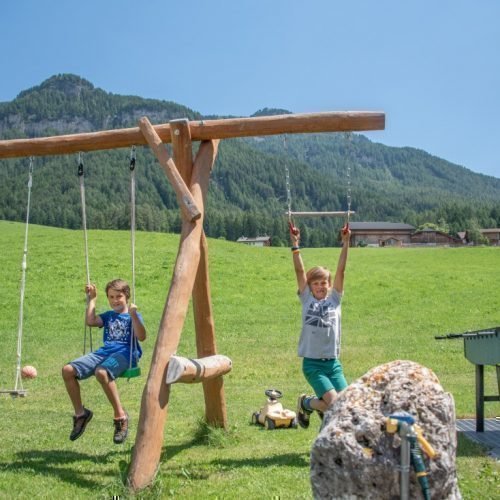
186	200
154	405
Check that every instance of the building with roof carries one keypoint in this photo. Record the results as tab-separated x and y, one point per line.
259	241
430	236
492	234
380	233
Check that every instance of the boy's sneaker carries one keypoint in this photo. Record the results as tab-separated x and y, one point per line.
302	413
79	424
121	429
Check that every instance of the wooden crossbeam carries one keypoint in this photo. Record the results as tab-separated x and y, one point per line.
201	130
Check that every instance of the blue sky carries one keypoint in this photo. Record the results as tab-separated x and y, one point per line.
432	66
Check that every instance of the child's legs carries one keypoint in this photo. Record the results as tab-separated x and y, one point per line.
106	373
72	388
326	377
78	369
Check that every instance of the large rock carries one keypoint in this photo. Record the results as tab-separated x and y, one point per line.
354	457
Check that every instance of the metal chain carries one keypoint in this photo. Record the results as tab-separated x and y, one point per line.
348	196
287	180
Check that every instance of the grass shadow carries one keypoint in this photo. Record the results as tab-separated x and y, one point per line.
59	464
287	459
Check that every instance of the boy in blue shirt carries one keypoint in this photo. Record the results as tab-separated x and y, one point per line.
110	360
319	343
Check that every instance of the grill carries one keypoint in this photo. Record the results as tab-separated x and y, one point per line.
481	347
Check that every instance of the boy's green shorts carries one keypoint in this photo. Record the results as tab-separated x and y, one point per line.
324	375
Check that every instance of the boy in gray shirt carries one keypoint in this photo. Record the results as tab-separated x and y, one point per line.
319	343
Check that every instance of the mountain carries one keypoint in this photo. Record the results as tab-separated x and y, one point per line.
248	192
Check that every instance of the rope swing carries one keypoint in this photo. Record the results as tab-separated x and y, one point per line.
131	371
81	176
18	387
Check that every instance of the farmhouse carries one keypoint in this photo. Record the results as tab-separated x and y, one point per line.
430	236
492	234
380	233
259	241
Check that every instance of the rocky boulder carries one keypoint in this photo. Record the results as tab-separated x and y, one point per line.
354	456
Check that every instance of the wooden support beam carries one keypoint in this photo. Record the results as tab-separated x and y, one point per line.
320	214
213	389
201	130
154	404
184	197
189	371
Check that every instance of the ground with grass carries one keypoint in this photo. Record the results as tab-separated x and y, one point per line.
396	301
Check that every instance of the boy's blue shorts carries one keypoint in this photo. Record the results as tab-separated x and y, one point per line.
85	366
324	375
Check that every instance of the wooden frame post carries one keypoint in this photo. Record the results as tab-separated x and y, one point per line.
213	390
154	404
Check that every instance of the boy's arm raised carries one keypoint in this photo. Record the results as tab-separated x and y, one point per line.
338	282
298	265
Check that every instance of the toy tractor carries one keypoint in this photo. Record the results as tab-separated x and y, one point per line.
272	415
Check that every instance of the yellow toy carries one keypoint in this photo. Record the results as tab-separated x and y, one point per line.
272	415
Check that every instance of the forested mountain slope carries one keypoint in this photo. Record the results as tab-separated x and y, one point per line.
248	194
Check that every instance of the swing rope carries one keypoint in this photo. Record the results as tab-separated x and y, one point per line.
18	387
131	371
81	176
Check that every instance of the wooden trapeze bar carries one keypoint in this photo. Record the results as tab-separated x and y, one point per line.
200	130
321	214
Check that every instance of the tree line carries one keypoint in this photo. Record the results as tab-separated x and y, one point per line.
252	184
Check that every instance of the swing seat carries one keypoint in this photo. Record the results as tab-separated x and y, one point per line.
133	372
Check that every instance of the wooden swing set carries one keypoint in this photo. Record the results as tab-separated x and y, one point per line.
189	179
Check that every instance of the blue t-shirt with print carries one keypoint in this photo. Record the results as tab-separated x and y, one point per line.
117	335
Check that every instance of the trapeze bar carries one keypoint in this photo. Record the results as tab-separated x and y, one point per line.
320	214
201	130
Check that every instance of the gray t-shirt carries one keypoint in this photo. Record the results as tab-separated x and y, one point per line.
321	332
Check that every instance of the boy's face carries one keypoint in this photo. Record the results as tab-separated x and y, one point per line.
319	288
117	300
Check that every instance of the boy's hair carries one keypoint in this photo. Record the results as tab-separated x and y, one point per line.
318	272
120	286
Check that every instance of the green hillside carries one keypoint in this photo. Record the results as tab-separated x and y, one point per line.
396	300
248	194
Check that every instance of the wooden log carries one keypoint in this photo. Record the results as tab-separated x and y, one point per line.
320	214
154	404
201	130
189	371
213	389
184	197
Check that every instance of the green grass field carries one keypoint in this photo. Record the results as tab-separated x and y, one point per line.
396	301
